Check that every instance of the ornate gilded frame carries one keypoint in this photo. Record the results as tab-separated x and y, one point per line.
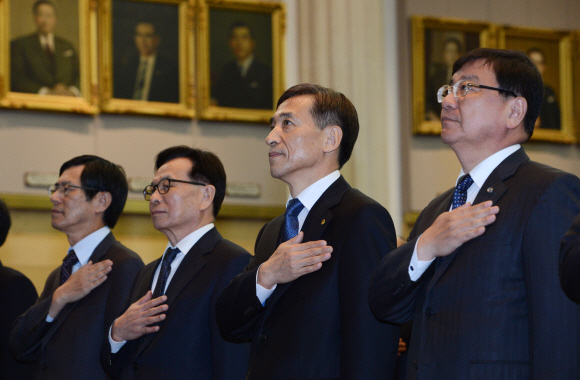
561	42
420	26
186	47
88	103
277	12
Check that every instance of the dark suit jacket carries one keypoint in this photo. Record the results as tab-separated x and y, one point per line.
252	91
570	261
188	344
164	85
32	68
17	294
320	325
550	110
493	309
69	347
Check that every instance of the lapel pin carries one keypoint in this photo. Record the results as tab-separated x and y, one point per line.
490	190
323	221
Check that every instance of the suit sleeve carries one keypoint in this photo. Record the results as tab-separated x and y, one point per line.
229	360
554	320
570	262
20	80
368	347
238	308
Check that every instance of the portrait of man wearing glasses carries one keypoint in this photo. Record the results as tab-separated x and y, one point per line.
479	273
61	334
169	330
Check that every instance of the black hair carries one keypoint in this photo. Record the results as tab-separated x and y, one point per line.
5	222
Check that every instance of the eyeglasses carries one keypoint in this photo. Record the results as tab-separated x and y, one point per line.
64	188
462	87
163	187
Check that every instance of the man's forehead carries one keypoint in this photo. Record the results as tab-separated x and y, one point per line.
174	168
474	71
72	173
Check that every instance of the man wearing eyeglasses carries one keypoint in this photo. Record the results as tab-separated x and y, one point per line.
81	298
479	274
169	329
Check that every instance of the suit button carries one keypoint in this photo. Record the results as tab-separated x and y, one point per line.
429	312
263	336
134	365
416	365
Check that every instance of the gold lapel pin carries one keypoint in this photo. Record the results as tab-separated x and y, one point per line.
490	190
323	221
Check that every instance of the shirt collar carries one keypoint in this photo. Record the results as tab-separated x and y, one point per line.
189	241
309	196
245	65
480	173
85	248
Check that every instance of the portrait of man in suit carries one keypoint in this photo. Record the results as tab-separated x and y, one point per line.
479	273
549	117
145	73
62	332
43	63
168	330
17	294
244	81
303	299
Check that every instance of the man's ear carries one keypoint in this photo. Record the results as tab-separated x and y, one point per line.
517	112
103	200
333	134
208	195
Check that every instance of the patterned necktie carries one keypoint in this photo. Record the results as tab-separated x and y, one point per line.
165	271
291	219
67	264
460	194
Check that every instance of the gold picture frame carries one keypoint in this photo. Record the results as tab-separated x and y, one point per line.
436	44
163	29
555	123
37	77
224	93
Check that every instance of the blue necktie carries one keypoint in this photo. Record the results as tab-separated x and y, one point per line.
291	219
460	194
67	264
165	271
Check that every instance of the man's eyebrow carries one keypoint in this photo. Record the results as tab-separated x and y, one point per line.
467	77
283	115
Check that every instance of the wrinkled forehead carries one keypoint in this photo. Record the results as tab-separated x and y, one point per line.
178	168
480	72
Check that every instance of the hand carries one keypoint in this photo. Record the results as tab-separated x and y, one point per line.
79	284
451	229
135	322
60	89
292	260
402	347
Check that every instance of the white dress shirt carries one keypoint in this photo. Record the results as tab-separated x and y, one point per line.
84	249
148	75
479	175
308	197
184	246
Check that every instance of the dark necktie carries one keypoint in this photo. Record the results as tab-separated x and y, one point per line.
291	219
67	264
165	271
460	194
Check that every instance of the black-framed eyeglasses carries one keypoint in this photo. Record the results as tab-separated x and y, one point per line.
64	188
462	87
163	187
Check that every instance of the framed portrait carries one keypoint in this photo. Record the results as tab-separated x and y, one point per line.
48	60
551	52
240	59
437	43
146	65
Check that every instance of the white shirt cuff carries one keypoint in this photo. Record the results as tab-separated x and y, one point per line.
115	346
416	267
262	293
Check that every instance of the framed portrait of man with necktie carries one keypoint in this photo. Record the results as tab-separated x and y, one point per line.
47	61
145	64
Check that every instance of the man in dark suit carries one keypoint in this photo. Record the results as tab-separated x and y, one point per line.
549	117
146	74
302	300
481	282
169	330
243	82
17	294
63	331
42	63
570	261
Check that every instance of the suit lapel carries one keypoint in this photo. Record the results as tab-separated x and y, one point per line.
191	265
492	190
98	253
